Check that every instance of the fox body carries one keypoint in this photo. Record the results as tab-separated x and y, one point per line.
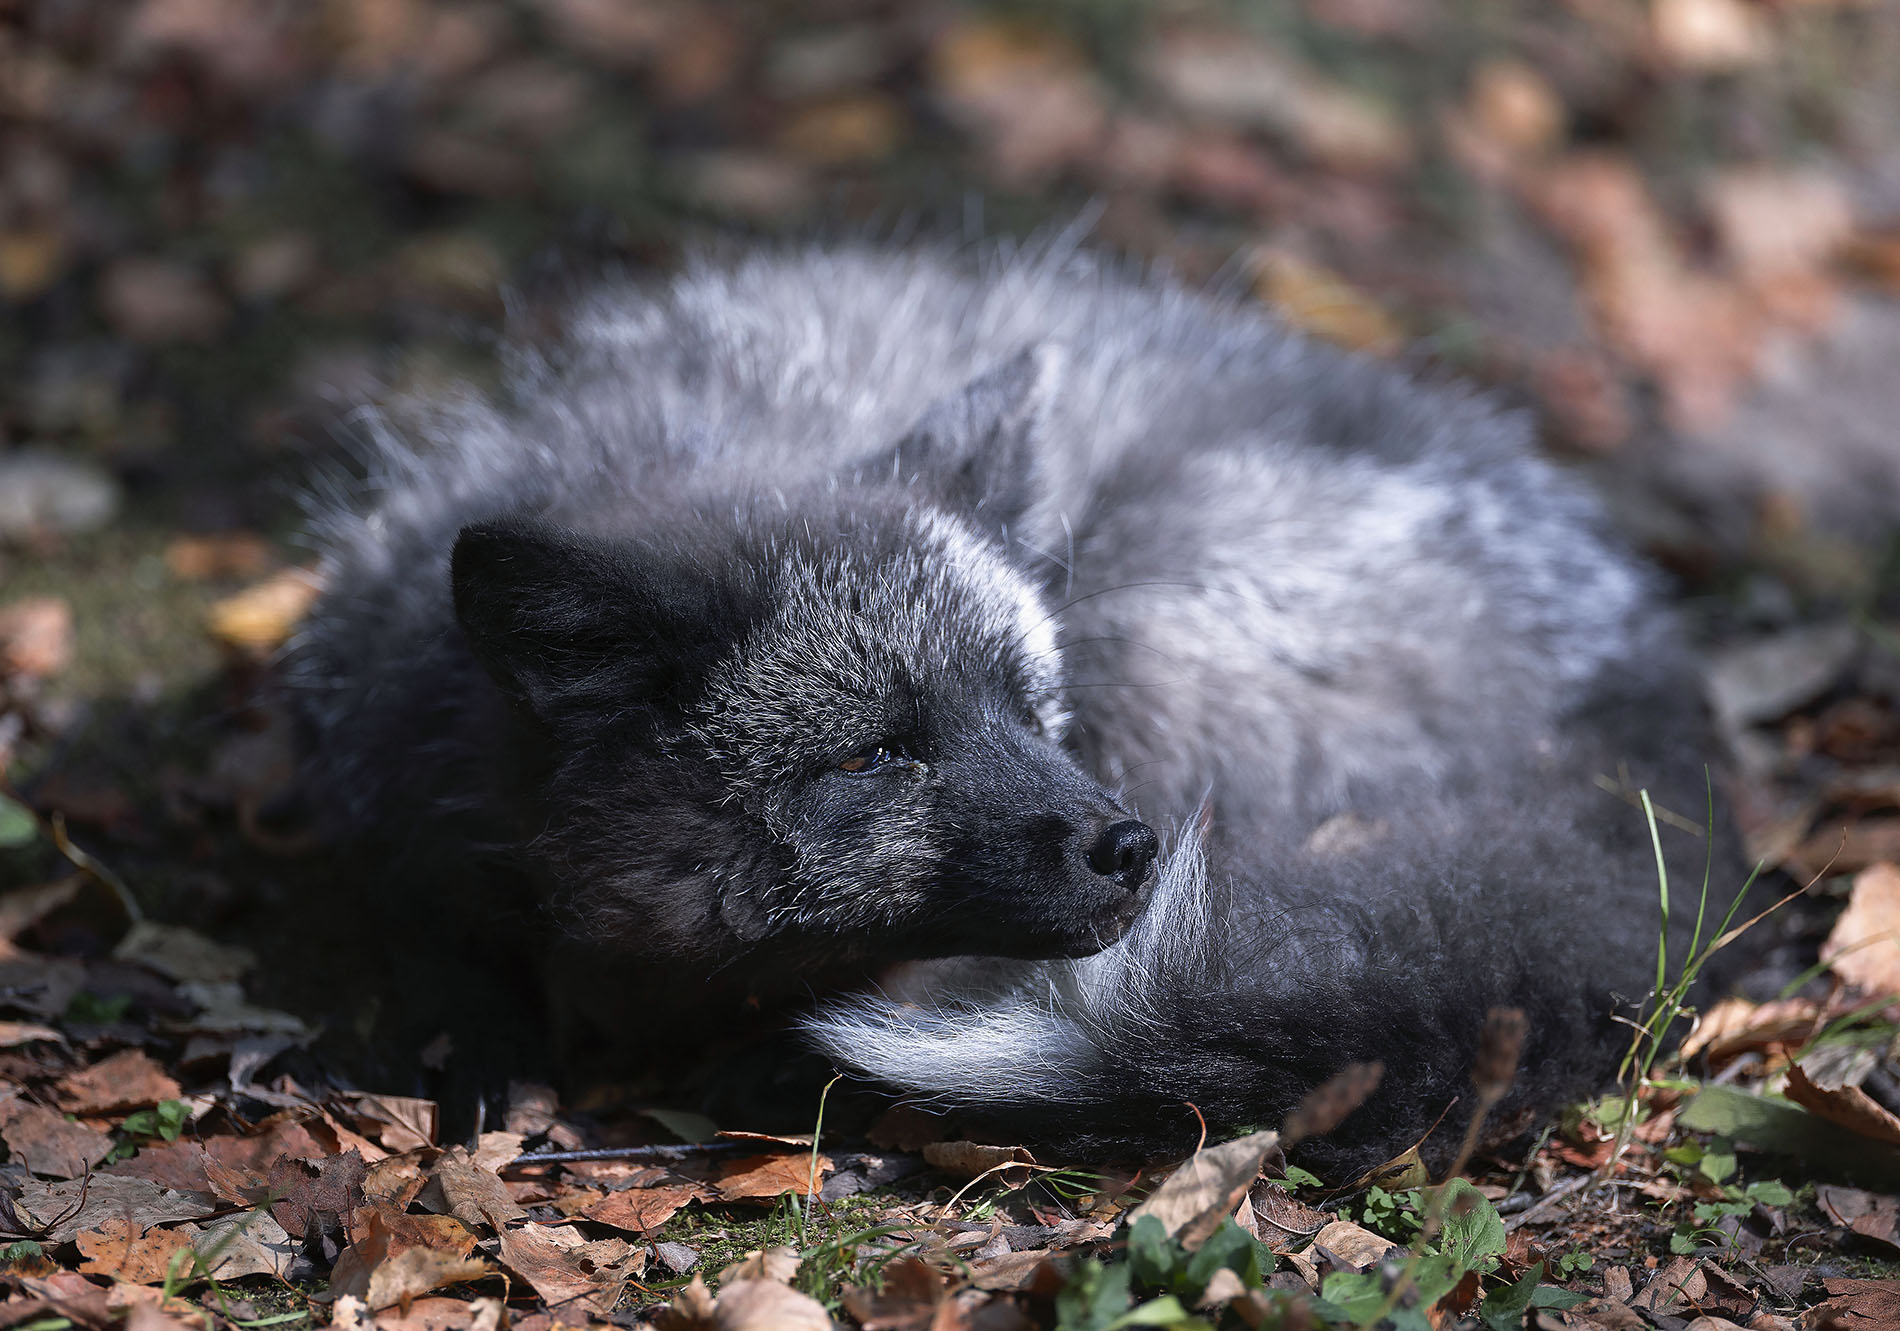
1198	708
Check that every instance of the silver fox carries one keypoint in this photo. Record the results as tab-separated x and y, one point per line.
815	612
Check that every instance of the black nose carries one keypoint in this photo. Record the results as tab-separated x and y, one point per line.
1124	851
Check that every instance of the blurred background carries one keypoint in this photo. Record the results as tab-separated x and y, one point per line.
1670	228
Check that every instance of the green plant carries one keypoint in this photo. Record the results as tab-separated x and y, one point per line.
164	1122
1668	1000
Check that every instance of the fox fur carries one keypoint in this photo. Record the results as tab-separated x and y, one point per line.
834	615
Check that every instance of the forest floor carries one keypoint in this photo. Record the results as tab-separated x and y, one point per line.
1670	228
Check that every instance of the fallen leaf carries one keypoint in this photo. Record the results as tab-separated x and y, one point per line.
975	1160
1010	1270
411	1273
318	1201
181	954
779	1264
36	637
459	1187
766	1176
155	300
1864	946
1771	221
250	1243
49	1144
126	1081
1767	678
1193	1200
1276	1219
1736	1026
764	1305
234	554
1868	1214
1514	106
912	1297
121	1249
1852	1304
1823	1084
261	618
1709	36
58	1208
1351	1245
643	1210
1320	302
400	1123
567	1277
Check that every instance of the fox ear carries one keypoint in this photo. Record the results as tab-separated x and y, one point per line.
978	449
560	619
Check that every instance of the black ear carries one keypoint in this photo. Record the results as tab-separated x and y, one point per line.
561	619
978	450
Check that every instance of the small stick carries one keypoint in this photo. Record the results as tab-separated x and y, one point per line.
627	1153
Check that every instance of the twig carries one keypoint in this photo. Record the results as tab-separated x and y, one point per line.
627	1153
1548	1202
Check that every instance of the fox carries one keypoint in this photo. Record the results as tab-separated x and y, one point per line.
1092	707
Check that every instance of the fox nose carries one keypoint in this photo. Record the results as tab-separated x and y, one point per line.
1125	851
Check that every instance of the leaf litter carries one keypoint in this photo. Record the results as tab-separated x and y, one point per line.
165	1166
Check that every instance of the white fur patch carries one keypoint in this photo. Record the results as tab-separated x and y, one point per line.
974	1030
981	568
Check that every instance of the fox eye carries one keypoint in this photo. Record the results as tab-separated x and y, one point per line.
869	759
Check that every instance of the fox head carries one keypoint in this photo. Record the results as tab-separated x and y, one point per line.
823	729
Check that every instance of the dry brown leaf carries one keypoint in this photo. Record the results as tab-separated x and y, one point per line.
36	637
495	1149
913	1297
399	1122
767	1176
974	1160
779	1264
1206	1189
570	1277
1834	1094
1352	1245
249	1243
261	618
1735	1026
1709	36
845	131
1872	1304
765	1305
439	1314
230	555
1864	946
459	1187
1514	106
1277	1219
182	954
122	1250
1010	1270
381	1266
138	1304
49	1144
1024	90
1318	301
58	1208
320	1201
412	1272
643	1210
1871	1215
126	1081
13	1034
1770	221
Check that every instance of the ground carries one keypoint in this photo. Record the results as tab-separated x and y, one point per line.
1670	228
